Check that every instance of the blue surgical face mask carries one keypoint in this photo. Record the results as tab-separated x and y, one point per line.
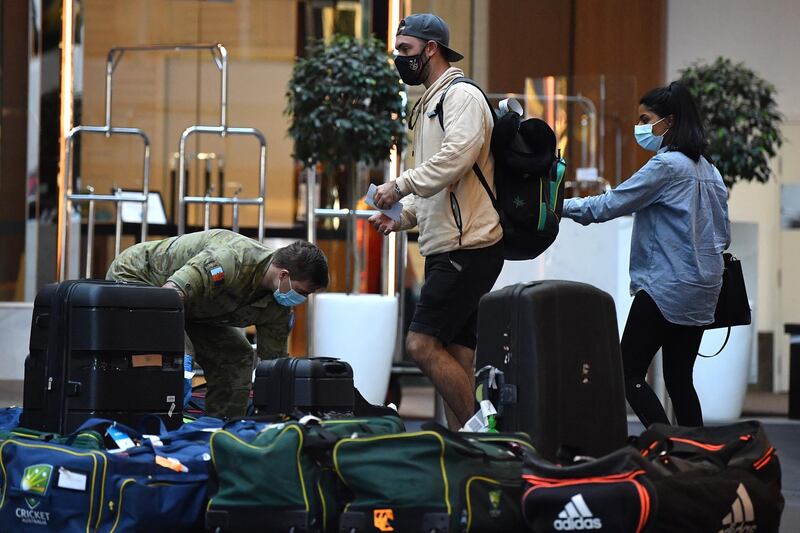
289	298
646	139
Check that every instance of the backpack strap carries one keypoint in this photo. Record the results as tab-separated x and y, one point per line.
439	111
561	167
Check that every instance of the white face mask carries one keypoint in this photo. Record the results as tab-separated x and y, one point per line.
646	139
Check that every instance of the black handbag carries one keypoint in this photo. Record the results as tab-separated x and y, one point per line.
733	307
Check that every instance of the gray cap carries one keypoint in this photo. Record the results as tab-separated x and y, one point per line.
429	27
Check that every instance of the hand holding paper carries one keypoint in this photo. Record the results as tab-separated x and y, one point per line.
393	212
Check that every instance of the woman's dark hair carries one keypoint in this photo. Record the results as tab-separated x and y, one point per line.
687	129
305	262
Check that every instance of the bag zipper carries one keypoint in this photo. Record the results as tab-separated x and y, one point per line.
456	215
765	459
144	483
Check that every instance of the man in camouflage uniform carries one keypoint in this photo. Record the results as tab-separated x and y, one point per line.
228	281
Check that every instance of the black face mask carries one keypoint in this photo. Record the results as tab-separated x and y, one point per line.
411	68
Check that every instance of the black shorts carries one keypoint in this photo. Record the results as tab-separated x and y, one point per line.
454	284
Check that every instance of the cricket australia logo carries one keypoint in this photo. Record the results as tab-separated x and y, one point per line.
494	499
35	479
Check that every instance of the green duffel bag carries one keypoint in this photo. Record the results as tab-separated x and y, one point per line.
433	481
283	479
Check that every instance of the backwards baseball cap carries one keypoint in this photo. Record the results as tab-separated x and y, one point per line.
429	27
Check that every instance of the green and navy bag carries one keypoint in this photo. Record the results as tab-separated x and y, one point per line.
433	480
71	483
51	487
283	478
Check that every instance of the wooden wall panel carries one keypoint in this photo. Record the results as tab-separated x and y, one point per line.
458	15
527	39
163	93
624	40
13	146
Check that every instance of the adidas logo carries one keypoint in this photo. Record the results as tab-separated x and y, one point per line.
576	516
741	519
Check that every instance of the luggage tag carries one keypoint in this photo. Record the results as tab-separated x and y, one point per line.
154	440
67	479
172	464
483	420
122	440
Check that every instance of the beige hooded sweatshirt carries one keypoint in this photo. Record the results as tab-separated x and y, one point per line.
442	182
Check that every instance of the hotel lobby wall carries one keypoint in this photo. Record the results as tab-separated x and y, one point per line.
583	39
13	145
163	93
761	38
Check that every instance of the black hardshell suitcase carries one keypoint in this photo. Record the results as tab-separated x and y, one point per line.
556	349
100	349
320	386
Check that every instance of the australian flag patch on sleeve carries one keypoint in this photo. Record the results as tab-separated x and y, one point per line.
217	275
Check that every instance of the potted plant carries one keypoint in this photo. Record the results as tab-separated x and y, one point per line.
741	118
346	104
743	132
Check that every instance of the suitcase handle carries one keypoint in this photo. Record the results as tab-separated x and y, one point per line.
43	321
335	366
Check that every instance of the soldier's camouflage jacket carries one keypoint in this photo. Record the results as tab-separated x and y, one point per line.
220	273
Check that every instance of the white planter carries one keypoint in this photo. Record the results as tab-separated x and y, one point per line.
360	329
721	381
15	330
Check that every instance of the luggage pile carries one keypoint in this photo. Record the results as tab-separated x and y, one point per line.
368	474
317	458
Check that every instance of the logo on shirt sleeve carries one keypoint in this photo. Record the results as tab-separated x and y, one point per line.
217	275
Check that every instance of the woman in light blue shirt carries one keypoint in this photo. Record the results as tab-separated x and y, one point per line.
680	229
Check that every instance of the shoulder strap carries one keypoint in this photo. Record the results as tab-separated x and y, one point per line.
439	110
461	79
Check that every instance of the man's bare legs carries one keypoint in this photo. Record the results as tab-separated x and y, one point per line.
450	370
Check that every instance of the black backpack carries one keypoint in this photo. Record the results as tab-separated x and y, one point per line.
529	177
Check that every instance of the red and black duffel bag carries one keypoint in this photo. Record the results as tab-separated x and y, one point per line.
724	479
612	493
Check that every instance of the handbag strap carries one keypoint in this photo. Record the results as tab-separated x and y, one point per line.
727	336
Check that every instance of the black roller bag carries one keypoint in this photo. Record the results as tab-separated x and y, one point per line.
549	360
100	349
320	386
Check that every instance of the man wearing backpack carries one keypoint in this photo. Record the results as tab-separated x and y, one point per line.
459	230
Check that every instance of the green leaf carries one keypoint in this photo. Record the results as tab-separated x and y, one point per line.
739	111
339	98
